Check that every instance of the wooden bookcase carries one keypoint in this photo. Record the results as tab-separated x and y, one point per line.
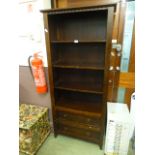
78	43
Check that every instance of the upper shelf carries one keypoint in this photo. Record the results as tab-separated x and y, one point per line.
78	41
84	105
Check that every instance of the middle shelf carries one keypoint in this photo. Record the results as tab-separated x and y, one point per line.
79	65
87	81
77	87
81	56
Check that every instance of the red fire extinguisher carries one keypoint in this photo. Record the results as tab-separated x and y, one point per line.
37	71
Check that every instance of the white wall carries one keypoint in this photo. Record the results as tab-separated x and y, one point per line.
31	29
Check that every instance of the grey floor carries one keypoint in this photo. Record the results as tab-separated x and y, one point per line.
63	145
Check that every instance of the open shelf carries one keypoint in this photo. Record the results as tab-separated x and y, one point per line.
79	102
78	65
77	87
79	56
79	80
77	41
82	26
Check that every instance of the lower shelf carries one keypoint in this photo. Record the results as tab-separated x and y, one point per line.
80	103
83	110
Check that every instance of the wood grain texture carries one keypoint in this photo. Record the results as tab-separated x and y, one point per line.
82	119
79	80
106	66
76	124
131	69
53	3
50	71
61	4
79	3
113	54
81	92
127	80
116	22
132	52
78	132
119	16
120	41
127	98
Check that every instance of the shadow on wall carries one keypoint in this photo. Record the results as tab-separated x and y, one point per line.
27	90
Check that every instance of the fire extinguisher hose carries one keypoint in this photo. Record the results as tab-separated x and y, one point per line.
29	62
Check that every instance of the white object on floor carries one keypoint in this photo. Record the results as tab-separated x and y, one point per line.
132	113
118	129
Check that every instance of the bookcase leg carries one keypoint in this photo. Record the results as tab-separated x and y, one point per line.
55	134
101	146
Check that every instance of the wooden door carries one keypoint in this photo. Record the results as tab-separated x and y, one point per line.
117	38
124	84
127	79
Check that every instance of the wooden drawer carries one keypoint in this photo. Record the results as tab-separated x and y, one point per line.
91	121
78	133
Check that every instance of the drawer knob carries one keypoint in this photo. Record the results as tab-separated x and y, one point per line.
65	128
110	81
88	120
65	115
88	133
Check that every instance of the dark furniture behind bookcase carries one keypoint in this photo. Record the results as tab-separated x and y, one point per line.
78	44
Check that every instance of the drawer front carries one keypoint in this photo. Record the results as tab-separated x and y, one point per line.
79	133
80	119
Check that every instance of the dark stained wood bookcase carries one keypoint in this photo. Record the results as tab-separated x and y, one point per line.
78	44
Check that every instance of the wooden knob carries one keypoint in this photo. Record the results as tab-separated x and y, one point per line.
88	133
65	115
88	119
65	128
110	81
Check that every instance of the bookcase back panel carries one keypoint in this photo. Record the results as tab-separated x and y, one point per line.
79	79
79	26
79	101
82	54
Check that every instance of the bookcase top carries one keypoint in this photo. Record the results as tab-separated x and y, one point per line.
75	9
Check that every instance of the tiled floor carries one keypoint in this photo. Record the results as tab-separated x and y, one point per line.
63	145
